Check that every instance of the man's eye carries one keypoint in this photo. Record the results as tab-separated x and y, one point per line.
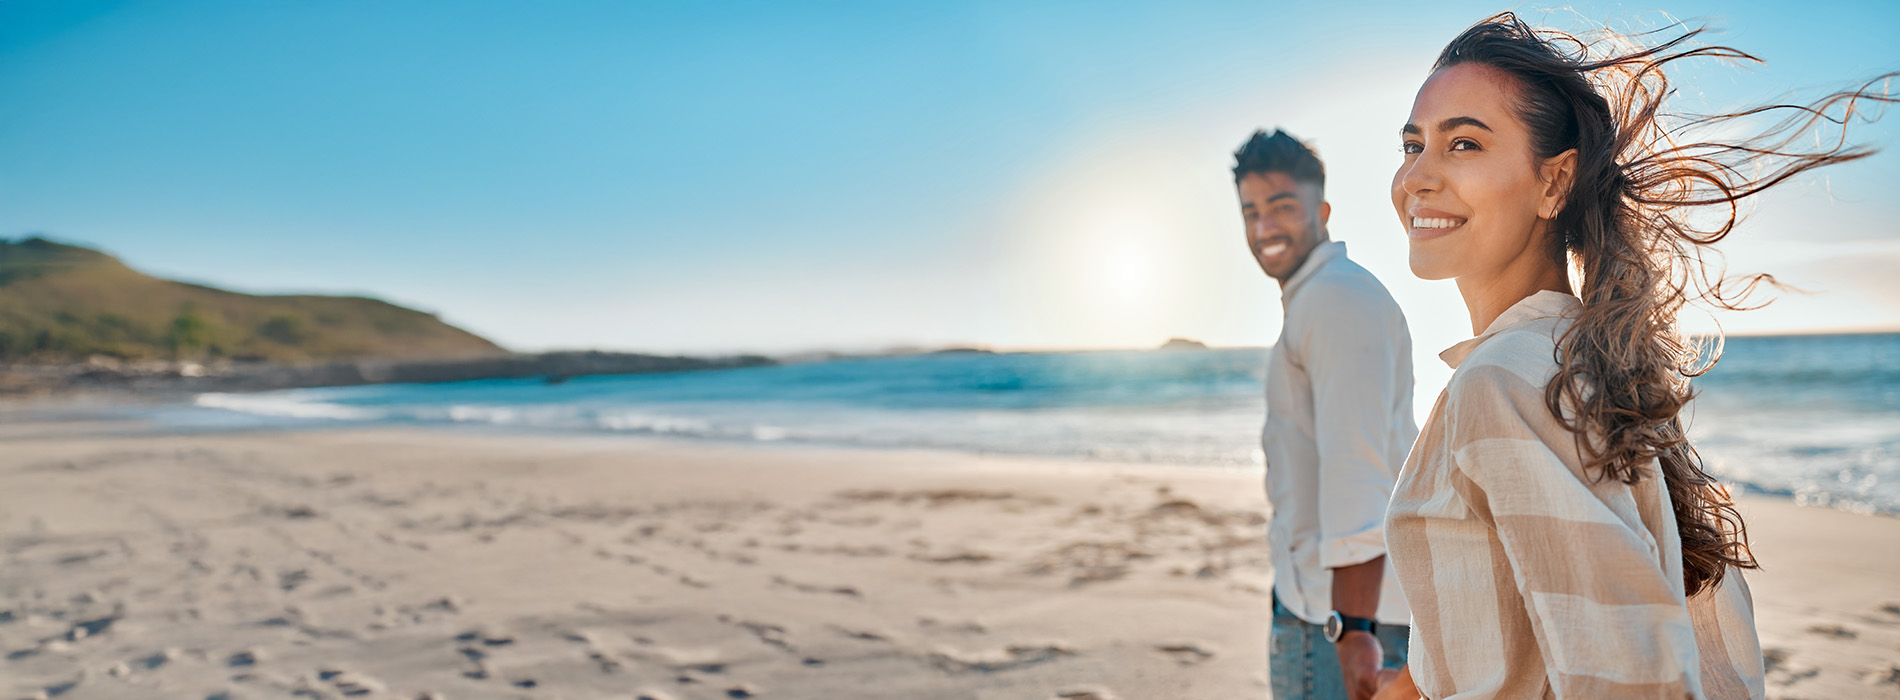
1411	148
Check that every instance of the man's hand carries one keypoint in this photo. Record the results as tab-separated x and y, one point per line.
1356	593
1360	655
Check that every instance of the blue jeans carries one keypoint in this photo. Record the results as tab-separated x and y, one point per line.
1302	665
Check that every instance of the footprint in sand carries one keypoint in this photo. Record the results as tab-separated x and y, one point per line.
58	689
350	683
472	650
242	659
606	664
1006	659
958	557
88	628
1782	670
860	635
153	661
487	637
846	591
1089	692
1186	654
936	625
768	634
1835	631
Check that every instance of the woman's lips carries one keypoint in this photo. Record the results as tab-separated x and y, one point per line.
1433	226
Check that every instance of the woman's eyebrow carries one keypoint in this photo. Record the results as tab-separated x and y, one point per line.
1446	125
1456	122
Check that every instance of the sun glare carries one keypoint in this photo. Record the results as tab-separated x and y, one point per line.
1125	274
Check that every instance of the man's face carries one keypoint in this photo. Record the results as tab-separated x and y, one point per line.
1285	221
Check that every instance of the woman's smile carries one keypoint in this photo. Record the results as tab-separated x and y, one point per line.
1431	223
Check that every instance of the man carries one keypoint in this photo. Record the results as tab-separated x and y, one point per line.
1339	425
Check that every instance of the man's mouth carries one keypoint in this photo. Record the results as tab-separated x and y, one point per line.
1272	249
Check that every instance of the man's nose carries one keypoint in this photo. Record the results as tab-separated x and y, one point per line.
1265	227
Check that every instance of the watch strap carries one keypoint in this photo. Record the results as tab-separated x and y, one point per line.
1348	623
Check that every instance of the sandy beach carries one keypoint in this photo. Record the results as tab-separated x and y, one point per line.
441	564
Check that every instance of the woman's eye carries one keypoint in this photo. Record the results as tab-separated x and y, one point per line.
1411	148
1464	145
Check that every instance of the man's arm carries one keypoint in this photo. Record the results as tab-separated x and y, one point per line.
1356	594
1356	588
1352	357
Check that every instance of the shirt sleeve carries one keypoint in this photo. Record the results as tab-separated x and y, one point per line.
1351	356
1607	620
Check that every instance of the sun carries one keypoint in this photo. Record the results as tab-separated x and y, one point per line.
1127	273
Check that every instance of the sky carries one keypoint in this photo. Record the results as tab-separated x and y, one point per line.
791	176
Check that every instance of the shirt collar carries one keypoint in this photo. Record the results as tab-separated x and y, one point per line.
1322	254
1544	304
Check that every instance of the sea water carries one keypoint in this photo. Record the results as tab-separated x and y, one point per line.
1814	418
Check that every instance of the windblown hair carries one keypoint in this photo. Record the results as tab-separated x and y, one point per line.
1278	153
1650	195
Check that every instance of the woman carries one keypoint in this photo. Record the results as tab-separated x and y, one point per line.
1552	529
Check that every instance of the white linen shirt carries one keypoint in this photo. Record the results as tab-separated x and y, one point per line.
1339	424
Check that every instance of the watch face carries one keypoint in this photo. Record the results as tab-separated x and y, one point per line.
1334	626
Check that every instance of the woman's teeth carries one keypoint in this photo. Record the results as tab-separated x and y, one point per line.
1422	222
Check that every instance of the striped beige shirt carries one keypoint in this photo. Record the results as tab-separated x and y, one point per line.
1528	578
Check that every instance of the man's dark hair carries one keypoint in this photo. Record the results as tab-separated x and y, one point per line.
1278	153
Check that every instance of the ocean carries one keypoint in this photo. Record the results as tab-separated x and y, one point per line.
1813	418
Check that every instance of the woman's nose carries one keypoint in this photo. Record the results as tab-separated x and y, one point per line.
1420	175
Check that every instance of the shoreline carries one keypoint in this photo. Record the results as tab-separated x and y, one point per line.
61	413
162	379
402	561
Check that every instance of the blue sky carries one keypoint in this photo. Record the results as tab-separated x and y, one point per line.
714	177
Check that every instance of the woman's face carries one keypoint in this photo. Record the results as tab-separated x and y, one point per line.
1471	190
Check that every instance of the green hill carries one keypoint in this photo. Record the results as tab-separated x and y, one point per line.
61	303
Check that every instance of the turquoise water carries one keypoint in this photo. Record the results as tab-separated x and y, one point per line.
1816	418
1813	417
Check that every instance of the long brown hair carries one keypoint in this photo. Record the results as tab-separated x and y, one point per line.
1623	367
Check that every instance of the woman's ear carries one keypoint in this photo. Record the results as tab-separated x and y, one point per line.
1558	173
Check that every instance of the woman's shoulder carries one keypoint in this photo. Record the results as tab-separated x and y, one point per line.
1523	356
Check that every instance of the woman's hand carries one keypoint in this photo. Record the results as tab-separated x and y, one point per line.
1396	685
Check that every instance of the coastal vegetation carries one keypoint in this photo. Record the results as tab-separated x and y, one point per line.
65	303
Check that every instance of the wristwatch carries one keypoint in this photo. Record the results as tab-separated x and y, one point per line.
1338	625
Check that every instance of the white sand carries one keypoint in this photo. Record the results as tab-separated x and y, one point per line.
404	564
